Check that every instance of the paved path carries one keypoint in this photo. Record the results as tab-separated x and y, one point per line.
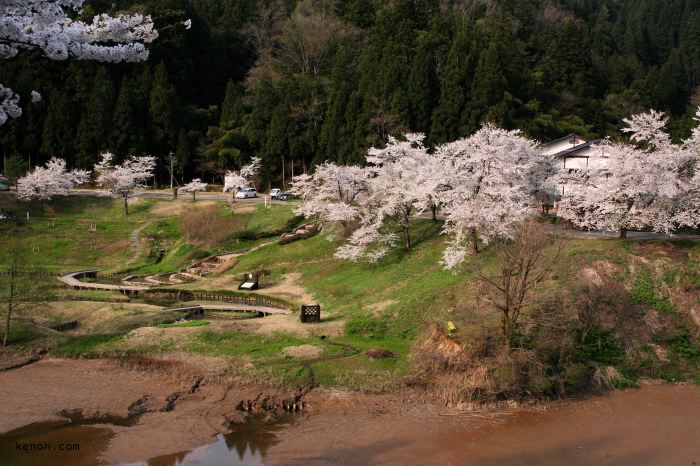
71	279
206	196
634	235
225	197
580	234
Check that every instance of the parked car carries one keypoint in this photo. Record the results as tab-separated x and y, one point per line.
275	193
245	193
4	187
286	195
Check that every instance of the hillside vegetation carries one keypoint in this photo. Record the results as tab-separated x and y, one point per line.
613	311
299	82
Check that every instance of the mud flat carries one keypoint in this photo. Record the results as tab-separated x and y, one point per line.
122	416
138	415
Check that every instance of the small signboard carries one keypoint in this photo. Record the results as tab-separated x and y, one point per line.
310	313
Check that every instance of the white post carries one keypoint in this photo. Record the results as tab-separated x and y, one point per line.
265	200
27	215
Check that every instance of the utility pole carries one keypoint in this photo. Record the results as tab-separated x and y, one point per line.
171	157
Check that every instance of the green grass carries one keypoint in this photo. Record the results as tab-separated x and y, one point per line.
62	236
187	323
645	291
385	305
87	346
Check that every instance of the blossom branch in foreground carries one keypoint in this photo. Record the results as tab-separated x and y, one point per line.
49	25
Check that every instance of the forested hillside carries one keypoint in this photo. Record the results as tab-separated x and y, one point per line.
300	82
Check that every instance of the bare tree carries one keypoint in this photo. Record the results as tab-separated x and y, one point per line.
23	286
523	264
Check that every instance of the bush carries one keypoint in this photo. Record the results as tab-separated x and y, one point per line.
204	226
599	346
682	344
576	376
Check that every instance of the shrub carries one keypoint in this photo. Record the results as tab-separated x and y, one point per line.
577	376
204	227
682	344
599	346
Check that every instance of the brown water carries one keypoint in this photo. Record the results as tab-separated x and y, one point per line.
78	444
653	425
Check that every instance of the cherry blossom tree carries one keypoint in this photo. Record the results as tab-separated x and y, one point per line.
545	189
610	194
650	184
398	189
676	166
194	186
121	180
235	181
50	26
685	210
43	183
9	104
489	176
334	194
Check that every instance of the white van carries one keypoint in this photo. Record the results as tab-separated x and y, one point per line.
245	193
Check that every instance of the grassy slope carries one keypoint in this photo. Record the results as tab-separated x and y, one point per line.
383	305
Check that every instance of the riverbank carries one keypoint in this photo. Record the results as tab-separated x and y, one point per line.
141	416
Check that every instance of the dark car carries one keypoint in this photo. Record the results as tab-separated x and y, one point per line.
4	187
286	195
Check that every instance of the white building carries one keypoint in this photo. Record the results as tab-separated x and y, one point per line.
572	152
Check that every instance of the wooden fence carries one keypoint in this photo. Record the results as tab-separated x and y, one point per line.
209	296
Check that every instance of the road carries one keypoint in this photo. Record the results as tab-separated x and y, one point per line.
150	194
225	197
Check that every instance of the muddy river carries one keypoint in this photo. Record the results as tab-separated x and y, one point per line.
91	412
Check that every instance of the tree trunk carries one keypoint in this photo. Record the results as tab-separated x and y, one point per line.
7	325
126	205
406	238
474	242
175	193
193	196
623	232
434	209
9	305
507	331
